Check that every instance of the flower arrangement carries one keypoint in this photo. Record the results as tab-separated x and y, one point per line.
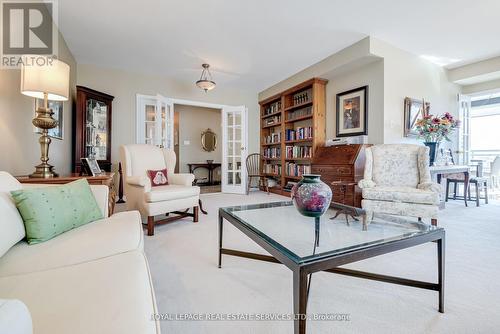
436	128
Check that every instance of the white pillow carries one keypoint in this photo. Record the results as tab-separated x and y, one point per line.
15	318
11	223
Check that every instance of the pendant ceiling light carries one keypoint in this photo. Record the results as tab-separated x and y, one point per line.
206	83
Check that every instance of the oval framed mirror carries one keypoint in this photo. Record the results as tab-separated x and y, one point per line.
208	140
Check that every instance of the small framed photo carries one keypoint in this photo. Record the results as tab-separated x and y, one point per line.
352	112
414	110
57	109
91	167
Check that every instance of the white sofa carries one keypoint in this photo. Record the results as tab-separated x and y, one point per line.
93	279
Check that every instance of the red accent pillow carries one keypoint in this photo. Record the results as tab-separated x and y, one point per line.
158	177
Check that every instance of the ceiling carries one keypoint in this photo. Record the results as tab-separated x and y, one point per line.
252	44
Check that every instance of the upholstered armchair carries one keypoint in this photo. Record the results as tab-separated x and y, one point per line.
176	197
397	181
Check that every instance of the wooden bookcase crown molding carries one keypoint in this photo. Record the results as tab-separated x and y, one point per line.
292	127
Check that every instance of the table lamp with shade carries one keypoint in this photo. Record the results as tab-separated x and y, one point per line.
48	82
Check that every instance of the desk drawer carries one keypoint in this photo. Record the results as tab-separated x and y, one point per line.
332	170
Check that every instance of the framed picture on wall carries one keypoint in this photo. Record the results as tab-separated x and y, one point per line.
57	109
414	110
352	112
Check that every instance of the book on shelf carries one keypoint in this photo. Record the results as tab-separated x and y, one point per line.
298	152
272	153
272	120
299	133
273	138
302	112
302	97
272	108
272	169
289	185
295	169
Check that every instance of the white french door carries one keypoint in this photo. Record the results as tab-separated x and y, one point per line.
155	121
464	105
165	124
234	149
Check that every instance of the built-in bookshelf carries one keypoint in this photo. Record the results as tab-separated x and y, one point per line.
292	127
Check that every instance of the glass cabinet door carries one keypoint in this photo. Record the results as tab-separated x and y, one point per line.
96	128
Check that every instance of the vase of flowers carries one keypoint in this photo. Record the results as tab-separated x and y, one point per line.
434	129
311	196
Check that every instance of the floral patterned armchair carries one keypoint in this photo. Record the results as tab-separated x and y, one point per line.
397	181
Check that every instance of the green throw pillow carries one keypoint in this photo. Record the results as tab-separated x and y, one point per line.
50	211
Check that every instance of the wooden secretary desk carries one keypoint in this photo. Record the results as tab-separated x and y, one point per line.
344	165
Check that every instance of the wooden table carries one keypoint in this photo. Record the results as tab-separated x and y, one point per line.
437	173
105	178
208	166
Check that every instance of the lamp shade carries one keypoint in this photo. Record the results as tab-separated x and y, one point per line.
51	78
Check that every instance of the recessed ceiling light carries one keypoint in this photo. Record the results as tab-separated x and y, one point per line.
441	61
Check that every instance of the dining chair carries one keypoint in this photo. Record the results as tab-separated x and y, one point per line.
495	172
479	181
254	172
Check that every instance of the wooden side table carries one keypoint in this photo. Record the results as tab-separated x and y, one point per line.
102	179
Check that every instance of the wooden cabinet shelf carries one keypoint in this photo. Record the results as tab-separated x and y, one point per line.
313	92
300	105
296	119
299	141
271	115
271	125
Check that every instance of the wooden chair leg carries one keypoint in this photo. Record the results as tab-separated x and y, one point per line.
477	194
486	193
195	214
455	190
434	222
266	183
468	193
151	225
200	204
447	190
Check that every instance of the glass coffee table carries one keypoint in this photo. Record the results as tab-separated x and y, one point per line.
308	245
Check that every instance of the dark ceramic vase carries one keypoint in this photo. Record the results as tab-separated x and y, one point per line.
311	196
432	151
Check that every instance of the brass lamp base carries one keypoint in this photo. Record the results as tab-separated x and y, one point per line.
44	121
44	171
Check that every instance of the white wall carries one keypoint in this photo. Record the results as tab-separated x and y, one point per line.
372	75
125	85
408	75
391	74
19	147
190	129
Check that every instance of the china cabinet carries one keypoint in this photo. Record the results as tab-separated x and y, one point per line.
92	121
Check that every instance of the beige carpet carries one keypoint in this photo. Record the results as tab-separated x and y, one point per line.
183	259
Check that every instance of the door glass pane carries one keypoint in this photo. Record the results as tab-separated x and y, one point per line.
230	119
150	123
237	162
230	178
237	133
237	178
96	136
